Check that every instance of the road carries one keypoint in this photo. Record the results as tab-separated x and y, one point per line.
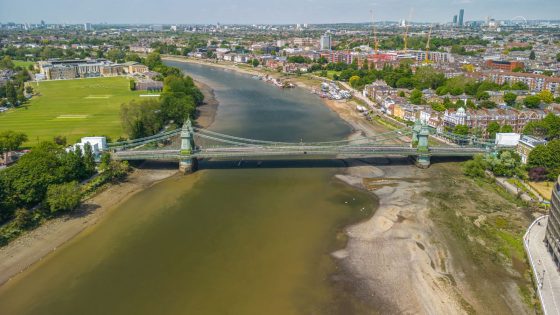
544	269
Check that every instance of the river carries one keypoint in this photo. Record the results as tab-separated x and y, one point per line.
232	238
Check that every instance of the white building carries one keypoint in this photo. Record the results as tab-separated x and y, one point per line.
98	145
326	42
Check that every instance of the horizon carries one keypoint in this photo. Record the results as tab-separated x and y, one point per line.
249	12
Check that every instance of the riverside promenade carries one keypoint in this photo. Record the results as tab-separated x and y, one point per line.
544	270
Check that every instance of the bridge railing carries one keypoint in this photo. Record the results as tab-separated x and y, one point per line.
141	141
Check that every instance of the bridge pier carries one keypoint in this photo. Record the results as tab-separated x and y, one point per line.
188	165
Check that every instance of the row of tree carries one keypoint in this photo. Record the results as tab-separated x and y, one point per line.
44	183
178	101
25	184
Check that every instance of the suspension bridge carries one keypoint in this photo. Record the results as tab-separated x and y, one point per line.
189	144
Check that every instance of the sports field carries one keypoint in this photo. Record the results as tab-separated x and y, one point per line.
71	108
23	64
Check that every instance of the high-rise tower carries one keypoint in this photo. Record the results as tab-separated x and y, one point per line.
461	14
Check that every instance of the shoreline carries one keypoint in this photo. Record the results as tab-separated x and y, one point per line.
35	245
30	248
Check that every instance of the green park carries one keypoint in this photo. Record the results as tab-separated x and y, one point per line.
72	109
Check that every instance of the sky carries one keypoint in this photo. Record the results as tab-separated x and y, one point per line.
268	12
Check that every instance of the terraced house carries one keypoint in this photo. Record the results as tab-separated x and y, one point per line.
481	118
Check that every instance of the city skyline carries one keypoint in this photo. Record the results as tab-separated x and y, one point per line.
256	12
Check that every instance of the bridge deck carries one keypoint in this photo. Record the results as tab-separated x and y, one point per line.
340	152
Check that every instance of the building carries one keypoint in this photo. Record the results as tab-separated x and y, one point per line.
97	144
325	42
148	85
536	82
504	65
552	236
455	20
378	91
461	16
480	119
86	68
526	144
88	27
132	67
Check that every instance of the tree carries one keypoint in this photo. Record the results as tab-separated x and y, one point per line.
546	96
532	55
11	141
487	104
89	160
492	129
133	57
438	107
11	94
116	55
60	140
476	167
416	97
255	63
532	101
506	129
519	86
23	219
482	95
537	174
461	130
29	89
141	118
547	156
354	81
153	60
510	98
558	57
507	164
7	63
428	78
63	197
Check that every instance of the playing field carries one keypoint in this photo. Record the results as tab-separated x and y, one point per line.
23	64
71	108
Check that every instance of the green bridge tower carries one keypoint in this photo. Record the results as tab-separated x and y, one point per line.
187	164
420	134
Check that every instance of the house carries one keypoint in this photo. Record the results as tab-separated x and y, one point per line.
98	145
526	144
398	110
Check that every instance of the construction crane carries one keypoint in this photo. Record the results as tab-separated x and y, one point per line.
428	45
375	41
405	38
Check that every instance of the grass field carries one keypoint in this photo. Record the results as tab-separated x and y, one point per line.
71	108
23	64
543	188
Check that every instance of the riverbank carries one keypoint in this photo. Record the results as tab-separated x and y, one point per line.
430	248
32	247
35	245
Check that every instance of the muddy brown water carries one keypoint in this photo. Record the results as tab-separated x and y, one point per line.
241	237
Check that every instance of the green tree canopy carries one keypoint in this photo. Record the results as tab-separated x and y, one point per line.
532	101
510	98
492	129
416	97
63	197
